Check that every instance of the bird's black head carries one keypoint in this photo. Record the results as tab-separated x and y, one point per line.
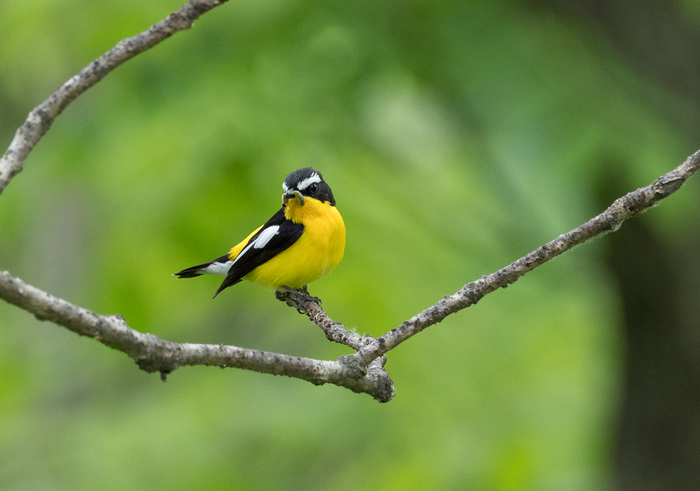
309	183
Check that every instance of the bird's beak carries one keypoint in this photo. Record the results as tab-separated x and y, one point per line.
296	194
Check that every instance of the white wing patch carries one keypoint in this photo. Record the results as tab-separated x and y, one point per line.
308	181
261	241
265	236
217	268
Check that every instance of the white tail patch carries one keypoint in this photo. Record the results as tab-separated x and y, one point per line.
217	268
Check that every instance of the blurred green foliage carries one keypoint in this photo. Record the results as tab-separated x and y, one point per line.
457	136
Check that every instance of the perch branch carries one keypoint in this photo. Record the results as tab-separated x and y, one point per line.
42	117
153	354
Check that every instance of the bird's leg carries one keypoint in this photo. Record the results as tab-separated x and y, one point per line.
296	298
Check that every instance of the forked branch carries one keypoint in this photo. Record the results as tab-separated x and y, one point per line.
361	372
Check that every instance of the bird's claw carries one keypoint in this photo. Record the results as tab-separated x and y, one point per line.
296	298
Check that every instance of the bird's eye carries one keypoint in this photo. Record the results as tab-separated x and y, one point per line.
313	188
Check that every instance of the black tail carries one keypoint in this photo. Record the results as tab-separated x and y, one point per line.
191	272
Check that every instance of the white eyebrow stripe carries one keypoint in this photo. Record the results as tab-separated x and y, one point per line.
308	181
265	236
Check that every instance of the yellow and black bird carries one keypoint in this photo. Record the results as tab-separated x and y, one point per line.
303	241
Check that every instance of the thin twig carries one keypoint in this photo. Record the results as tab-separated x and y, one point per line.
609	221
42	117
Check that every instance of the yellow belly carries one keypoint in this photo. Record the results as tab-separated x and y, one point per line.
319	249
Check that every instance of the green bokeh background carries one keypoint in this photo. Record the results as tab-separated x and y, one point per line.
457	137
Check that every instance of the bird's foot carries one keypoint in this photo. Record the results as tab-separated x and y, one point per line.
296	298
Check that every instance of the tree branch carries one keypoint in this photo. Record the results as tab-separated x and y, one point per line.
42	117
609	221
153	354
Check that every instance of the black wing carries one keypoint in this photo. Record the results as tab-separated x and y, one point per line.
251	257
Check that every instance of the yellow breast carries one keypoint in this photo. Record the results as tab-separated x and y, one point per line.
316	253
